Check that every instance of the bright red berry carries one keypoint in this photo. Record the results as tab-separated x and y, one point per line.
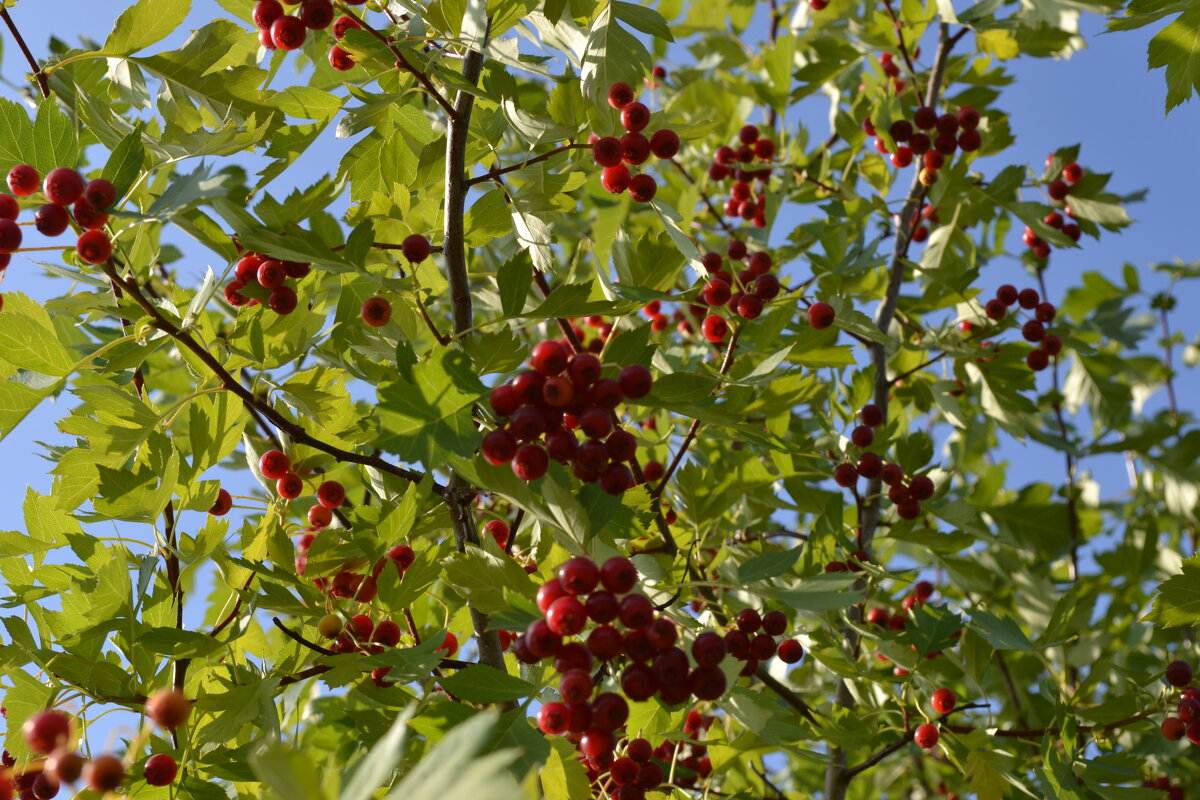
63	186
416	248
943	701
288	33
274	465
926	736
161	769
620	94
23	180
820	315
635	117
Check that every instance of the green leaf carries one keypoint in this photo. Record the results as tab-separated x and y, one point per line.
376	768
611	54
1177	47
28	340
767	565
483	575
1178	600
642	18
143	24
1002	633
457	766
513	279
932	628
431	415
17	144
288	772
480	683
54	138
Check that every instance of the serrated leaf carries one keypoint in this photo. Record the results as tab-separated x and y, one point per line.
1177	47
1178	600
480	683
143	24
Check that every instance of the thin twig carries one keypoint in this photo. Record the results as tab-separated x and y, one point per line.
491	175
459	494
232	384
38	74
291	634
403	63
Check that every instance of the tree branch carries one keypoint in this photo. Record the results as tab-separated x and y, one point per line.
403	63
837	776
491	175
459	494
232	384
38	74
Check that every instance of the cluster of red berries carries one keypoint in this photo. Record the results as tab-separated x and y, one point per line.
926	735
544	406
655	664
891	69
52	734
62	187
1033	330
1058	189
260	272
881	617
948	134
744	201
920	230
279	30
744	294
907	497
1186	721
632	148
362	634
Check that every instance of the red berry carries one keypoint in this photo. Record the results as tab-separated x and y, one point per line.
635	381
1037	360
774	623
970	141
1033	331
47	730
845	475
607	151
664	143
63	186
290	486
579	575
340	59
1045	312
926	736
995	309
10	236
343	24
870	466
87	217
288	33
283	300
620	94
23	180
530	462
871	415
862	436
790	651
615	179
921	487
51	220
567	616
943	701
635	117
1072	172
820	315
104	773
635	148
168	708
274	465
707	683
93	247
1052	344
316	14
498	447
223	503
376	312
552	718
1178	673
642	187
415	248
1058	190
549	357
1173	728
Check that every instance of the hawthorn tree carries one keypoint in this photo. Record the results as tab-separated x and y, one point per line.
619	436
